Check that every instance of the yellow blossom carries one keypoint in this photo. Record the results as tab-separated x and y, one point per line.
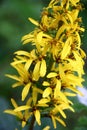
17	112
52	70
47	128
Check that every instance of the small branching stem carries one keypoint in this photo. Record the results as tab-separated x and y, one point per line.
32	123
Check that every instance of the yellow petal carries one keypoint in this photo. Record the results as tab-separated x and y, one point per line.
16	84
61	111
36	71
78	38
57	89
47	92
52	2
11	112
51	75
28	64
28	36
44	100
13	77
21	108
61	71
14	103
61	30
43	68
58	85
33	21
69	94
43	105
71	109
66	48
45	83
25	53
29	101
37	117
39	37
83	54
70	18
18	62
34	95
60	121
74	14
74	89
72	79
63	97
47	128
74	2
54	121
25	91
28	40
66	106
23	123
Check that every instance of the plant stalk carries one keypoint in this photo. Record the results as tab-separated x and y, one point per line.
32	123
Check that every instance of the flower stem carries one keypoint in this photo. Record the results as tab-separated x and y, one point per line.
32	123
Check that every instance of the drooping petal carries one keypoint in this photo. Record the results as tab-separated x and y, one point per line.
17	84
69	94
36	71
54	121
66	48
37	116
57	89
28	64
61	111
34	95
11	112
63	97
47	92
23	123
33	21
14	103
25	91
74	79
13	77
21	108
61	121
43	68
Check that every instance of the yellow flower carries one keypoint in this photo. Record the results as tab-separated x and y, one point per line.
56	118
24	79
17	112
31	108
22	65
32	59
59	109
52	70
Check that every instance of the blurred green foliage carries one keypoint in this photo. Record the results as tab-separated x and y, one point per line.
13	25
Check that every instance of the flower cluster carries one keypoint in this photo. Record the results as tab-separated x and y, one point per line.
51	71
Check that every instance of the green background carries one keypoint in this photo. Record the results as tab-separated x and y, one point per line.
13	25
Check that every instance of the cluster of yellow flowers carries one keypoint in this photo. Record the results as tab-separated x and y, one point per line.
51	71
